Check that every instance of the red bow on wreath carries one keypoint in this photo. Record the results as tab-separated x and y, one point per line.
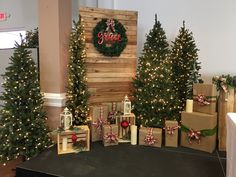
202	100
110	25
194	135
149	139
110	137
170	130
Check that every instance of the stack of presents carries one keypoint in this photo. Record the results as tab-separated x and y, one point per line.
113	123
199	122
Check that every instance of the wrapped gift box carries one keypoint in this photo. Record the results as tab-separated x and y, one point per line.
110	135
150	136
124	122
81	142
171	133
204	96
98	119
198	131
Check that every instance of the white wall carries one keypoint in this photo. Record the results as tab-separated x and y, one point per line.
213	23
24	14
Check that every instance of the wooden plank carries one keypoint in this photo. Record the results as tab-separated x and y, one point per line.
121	14
109	90
109	68
110	79
128	49
91	22
132	40
98	55
107	98
110	75
95	59
89	31
110	11
108	84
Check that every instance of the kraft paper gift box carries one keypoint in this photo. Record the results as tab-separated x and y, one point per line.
204	98
110	135
171	133
97	120
198	131
150	136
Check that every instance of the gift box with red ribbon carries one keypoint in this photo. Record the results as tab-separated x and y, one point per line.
198	131
150	136
204	98
98	115
171	133
110	135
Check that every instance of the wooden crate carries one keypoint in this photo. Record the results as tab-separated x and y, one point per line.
226	103
82	133
123	132
110	78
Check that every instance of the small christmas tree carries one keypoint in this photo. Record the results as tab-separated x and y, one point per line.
77	91
23	130
154	100
186	67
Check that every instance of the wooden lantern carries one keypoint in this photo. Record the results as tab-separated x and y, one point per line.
126	106
66	119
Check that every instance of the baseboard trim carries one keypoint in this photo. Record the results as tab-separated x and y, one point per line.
55	99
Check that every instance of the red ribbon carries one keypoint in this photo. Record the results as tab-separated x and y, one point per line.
111	115
202	100
223	84
110	137
194	135
171	130
98	124
149	139
110	25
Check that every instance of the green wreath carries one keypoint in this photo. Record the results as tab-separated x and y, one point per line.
115	47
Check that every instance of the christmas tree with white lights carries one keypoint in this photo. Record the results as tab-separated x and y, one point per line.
154	99
186	67
23	130
32	38
77	90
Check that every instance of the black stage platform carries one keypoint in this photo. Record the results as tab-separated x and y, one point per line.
125	160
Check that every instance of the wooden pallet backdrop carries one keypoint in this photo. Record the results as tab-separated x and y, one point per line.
109	78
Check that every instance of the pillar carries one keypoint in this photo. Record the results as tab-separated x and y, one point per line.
55	18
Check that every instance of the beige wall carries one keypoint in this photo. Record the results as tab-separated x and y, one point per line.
54	30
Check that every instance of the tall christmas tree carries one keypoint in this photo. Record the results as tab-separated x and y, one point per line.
154	99
23	130
186	67
77	91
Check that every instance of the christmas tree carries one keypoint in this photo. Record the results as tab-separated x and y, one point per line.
186	67
32	38
77	91
23	130
154	100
